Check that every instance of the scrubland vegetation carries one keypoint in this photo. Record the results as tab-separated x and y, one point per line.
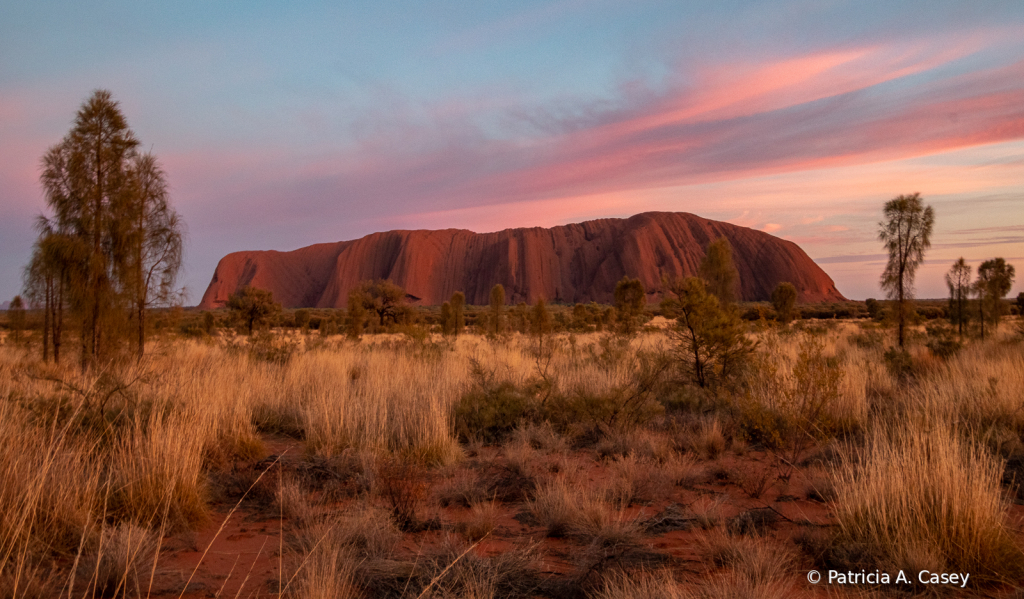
508	464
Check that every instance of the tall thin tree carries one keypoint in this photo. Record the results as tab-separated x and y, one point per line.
958	279
906	233
995	279
497	312
149	243
719	271
112	246
84	178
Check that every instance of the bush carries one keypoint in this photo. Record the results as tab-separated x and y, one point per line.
926	500
265	347
491	409
712	345
942	341
784	301
876	311
791	409
899	363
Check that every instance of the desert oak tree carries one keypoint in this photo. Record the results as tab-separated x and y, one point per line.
253	306
906	233
958	279
995	278
719	271
112	246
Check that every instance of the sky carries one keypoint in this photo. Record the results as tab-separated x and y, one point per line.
282	124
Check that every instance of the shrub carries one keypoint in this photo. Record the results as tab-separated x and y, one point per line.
122	562
253	307
491	409
209	323
923	499
784	301
876	311
899	363
301	318
630	299
711	341
788	410
266	347
942	341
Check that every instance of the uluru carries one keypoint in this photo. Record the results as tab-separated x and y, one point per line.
574	263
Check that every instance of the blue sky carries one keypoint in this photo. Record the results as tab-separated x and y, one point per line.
285	124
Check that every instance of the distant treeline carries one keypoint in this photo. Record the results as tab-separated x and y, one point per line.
565	317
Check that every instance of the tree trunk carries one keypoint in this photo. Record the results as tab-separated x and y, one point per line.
97	249
981	315
142	330
58	320
48	304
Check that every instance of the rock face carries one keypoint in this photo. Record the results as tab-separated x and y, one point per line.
571	263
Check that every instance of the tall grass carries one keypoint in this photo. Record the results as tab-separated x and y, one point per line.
89	461
925	499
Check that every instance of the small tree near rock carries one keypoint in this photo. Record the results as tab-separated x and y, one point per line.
253	306
784	301
719	272
302	319
497	312
383	298
712	345
16	317
630	300
356	314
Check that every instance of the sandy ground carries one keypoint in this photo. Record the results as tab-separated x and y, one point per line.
241	555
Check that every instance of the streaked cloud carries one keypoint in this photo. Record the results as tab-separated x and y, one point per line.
284	127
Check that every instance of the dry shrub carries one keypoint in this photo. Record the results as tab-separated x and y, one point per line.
794	400
455	572
980	386
403	488
752	566
682	470
328	572
293	501
921	497
520	457
398	404
756	479
482	520
51	492
565	508
556	506
159	469
636	480
460	487
541	436
363	530
640	442
707	511
641	585
708	440
122	562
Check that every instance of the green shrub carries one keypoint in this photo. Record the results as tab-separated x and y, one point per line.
265	347
491	409
942	341
899	363
868	339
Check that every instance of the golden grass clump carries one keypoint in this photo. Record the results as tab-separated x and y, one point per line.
925	499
